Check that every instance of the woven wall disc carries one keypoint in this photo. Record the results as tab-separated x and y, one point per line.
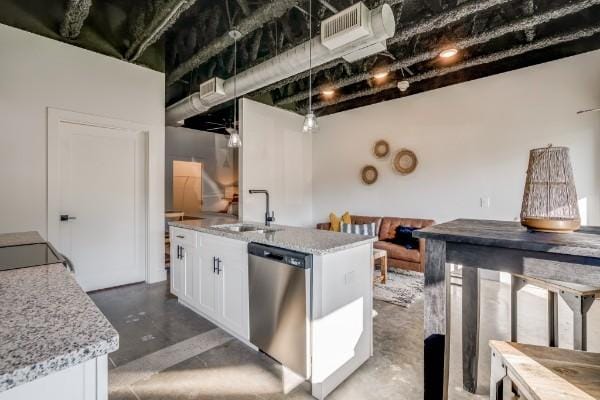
381	149
369	174
404	162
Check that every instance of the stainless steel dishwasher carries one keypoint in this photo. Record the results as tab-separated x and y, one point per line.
280	293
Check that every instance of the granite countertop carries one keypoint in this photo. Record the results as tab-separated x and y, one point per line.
48	322
307	240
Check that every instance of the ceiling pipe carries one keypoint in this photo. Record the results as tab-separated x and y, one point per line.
484	37
382	27
328	6
268	12
486	59
75	16
157	32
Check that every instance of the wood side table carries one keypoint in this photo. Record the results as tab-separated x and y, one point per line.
381	255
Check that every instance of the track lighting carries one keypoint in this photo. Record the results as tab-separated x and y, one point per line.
448	53
381	75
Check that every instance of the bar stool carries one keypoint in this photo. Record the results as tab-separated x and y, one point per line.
579	298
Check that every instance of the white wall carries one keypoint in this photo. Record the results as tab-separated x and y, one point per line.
219	163
472	140
37	73
276	156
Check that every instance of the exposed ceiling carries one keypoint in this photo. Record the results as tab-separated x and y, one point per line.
188	40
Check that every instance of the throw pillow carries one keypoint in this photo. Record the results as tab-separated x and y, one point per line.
359	229
346	218
404	237
334	222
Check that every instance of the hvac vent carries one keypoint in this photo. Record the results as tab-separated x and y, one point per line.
212	89
346	26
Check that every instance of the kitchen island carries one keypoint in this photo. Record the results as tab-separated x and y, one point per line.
210	275
53	339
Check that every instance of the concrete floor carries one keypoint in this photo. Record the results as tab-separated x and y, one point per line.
169	352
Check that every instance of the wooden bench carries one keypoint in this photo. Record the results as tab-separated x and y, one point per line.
579	298
543	373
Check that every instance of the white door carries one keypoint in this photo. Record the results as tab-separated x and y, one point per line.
102	177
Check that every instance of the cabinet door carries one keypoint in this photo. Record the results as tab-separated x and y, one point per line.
188	273
176	269
233	287
207	296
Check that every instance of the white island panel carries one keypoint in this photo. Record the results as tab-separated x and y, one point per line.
342	324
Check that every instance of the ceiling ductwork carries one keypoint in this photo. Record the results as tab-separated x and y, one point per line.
352	34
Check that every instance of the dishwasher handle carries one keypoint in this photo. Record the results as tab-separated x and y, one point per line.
284	256
273	256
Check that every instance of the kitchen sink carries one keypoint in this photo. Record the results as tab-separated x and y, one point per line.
248	228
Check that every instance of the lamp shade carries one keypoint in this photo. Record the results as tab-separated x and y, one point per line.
550	198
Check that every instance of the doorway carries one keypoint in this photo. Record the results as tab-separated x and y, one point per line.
187	187
97	195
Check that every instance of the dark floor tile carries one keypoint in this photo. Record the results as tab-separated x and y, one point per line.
179	326
231	371
138	337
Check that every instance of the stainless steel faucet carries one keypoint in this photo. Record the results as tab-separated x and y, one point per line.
269	215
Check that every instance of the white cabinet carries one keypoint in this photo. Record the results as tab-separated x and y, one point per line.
207	279
85	381
210	274
232	284
184	265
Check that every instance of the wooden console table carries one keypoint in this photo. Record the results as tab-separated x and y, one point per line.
499	246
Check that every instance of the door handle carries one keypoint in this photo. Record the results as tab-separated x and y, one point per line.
66	217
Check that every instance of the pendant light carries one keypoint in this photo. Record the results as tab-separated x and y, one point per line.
234	137
310	121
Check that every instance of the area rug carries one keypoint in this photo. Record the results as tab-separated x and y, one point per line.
402	288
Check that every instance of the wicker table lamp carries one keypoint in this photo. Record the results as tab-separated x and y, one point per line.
550	198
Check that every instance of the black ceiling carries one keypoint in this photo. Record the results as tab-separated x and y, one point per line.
190	43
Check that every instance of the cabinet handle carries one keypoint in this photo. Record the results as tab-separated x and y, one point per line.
219	266
181	236
214	265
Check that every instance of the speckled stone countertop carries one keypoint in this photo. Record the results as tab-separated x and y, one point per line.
47	322
306	240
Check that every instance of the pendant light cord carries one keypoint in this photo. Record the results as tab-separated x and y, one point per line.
309	56
235	83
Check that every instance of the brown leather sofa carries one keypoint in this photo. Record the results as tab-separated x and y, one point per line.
398	256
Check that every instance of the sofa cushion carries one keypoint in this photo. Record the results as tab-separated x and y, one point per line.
398	252
361	220
359	229
389	225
